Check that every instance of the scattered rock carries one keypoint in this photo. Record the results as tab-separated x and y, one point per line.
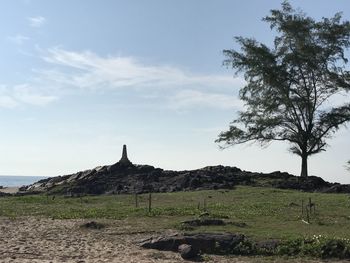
93	225
204	222
188	252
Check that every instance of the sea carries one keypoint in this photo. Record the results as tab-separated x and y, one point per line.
17	180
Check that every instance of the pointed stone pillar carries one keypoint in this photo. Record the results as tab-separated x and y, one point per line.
124	160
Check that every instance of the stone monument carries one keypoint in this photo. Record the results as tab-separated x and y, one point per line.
124	161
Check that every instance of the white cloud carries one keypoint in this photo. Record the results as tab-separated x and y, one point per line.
12	97
93	71
37	21
29	95
7	102
187	99
18	39
148	86
170	87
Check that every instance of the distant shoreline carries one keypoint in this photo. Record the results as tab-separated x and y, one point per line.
19	180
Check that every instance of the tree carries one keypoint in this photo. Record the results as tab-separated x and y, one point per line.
289	86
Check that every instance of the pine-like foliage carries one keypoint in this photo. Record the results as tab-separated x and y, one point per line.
291	85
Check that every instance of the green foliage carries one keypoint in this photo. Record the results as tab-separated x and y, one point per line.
318	246
289	85
246	247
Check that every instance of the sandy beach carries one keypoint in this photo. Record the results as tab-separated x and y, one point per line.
9	190
33	239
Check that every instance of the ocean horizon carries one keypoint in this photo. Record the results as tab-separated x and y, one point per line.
19	180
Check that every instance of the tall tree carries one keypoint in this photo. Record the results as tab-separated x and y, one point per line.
289	87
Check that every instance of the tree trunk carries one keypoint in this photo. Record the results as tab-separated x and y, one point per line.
304	172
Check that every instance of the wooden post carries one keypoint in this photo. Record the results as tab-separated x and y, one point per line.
307	215
136	200
205	204
149	202
310	205
302	208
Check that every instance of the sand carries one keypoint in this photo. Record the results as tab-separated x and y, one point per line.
9	190
33	239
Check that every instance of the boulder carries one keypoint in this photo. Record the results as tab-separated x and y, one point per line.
93	225
204	222
188	252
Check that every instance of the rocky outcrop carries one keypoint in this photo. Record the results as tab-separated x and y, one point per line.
205	242
118	179
338	188
126	177
191	245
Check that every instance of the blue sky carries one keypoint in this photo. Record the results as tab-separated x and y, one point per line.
81	78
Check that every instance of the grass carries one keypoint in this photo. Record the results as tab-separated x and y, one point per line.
268	212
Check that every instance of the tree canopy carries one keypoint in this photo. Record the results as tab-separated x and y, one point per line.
290	87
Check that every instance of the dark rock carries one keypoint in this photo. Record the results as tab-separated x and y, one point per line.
23	188
204	222
170	243
2	194
187	251
268	246
93	225
311	183
338	188
206	243
204	214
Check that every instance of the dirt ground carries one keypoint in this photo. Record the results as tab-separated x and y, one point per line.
45	240
33	239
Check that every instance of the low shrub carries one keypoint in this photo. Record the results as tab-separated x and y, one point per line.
317	246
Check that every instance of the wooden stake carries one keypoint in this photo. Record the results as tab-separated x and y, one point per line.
149	202
302	208
310	205
136	200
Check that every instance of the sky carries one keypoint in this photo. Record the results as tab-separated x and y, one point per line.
81	78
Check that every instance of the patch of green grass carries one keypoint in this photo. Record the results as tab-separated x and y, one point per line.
268	212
